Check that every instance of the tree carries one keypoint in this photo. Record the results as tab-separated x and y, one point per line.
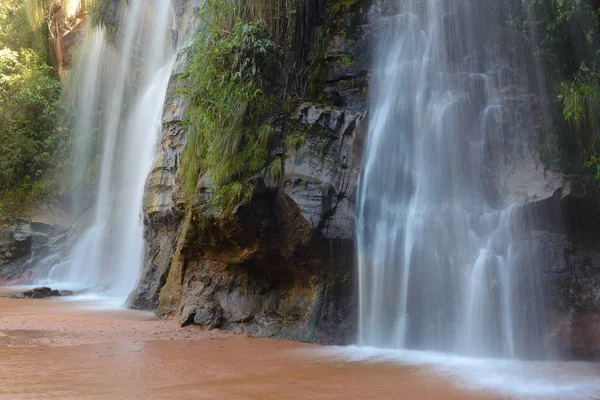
30	133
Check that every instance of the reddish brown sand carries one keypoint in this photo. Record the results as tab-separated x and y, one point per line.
51	350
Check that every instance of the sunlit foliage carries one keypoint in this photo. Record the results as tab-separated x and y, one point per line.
30	137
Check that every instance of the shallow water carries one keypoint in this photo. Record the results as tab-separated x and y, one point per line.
512	378
234	368
56	349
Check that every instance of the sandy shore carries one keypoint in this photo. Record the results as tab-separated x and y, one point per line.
56	322
53	349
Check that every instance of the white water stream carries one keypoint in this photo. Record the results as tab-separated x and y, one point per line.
444	282
121	84
437	265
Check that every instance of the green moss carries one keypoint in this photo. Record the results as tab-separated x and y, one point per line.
105	13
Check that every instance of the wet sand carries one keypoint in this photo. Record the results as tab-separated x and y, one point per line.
52	349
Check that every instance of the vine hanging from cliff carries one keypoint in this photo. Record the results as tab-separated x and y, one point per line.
246	56
227	83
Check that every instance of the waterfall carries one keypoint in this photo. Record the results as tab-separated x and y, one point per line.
436	240
120	84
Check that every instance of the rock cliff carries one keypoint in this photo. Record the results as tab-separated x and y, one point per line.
282	265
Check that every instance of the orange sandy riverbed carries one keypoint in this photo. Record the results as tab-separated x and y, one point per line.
53	349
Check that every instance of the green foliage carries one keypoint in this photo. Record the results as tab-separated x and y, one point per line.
30	133
15	31
318	79
579	101
275	170
228	79
579	98
346	60
594	163
266	135
337	7
565	37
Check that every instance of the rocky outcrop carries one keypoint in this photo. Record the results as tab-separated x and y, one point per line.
321	175
15	241
281	265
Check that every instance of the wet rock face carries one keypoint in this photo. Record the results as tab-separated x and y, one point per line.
560	239
321	176
23	247
15	241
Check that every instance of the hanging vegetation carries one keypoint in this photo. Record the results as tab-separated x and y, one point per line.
237	57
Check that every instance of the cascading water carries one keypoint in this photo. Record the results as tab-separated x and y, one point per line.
437	268
121	87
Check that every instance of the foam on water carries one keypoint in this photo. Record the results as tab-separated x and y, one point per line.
514	378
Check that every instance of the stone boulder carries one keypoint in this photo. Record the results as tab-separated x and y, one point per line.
42	293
